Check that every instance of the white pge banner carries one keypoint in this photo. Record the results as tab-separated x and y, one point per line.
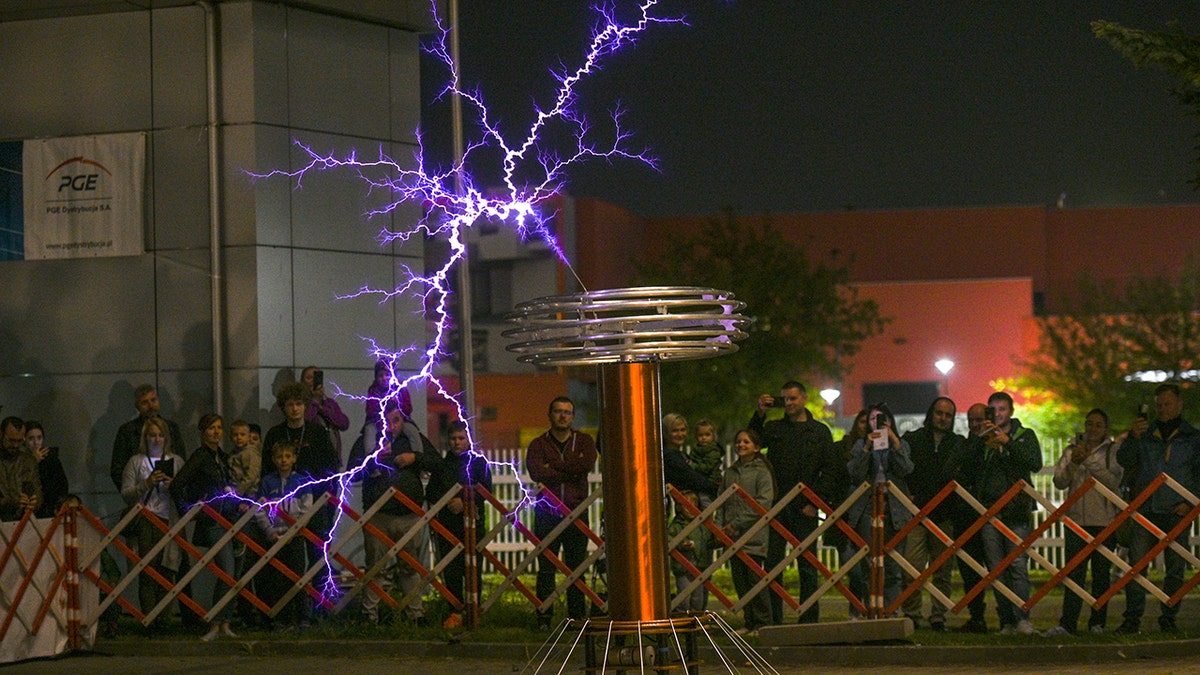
84	196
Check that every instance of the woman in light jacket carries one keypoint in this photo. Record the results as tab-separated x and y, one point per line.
146	480
1091	455
752	472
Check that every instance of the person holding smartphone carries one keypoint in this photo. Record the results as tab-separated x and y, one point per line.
881	457
20	486
1170	445
324	410
1092	454
146	480
1005	452
800	450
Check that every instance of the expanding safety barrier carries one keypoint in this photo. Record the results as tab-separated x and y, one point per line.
60	577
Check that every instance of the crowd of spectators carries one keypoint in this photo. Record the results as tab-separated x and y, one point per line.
998	453
291	467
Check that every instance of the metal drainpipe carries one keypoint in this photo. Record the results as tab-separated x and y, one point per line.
466	372
216	259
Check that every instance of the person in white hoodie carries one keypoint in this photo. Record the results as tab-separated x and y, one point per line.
1093	454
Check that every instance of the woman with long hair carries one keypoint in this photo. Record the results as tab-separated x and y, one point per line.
881	457
53	477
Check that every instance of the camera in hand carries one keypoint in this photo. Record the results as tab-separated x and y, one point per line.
878	418
778	402
318	378
166	465
1143	411
989	414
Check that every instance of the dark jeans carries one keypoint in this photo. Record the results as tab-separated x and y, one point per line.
454	574
974	548
1101	570
1016	575
856	579
756	612
145	537
1140	544
274	584
801	526
573	545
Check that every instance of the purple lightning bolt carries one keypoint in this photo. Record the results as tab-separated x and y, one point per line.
533	171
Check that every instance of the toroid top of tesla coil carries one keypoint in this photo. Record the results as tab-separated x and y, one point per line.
627	325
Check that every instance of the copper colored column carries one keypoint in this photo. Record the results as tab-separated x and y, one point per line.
632	465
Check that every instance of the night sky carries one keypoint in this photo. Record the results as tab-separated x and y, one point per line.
782	106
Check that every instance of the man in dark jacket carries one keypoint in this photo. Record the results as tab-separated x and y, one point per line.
964	516
129	436
936	452
1172	446
399	465
800	450
560	460
1005	453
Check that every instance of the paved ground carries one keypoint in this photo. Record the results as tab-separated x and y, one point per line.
280	665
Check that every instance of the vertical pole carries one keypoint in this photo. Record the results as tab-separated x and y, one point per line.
879	494
631	459
466	350
71	580
471	557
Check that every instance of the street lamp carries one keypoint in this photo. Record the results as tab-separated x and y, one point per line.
944	366
830	395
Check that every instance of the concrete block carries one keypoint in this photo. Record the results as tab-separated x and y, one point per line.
837	632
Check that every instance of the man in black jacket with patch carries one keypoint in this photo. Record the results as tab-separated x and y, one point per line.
800	450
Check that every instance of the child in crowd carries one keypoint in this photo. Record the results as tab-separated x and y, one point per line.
696	548
283	485
707	457
256	436
752	472
245	461
245	470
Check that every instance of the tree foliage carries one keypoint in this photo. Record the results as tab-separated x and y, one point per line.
806	318
1113	346
1171	50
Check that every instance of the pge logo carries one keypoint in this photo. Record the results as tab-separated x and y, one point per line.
78	179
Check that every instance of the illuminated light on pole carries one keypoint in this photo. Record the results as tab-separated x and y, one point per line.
830	395
944	366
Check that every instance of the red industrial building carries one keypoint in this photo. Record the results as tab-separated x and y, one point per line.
963	284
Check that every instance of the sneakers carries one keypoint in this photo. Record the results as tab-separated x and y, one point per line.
1024	627
1057	631
1128	628
455	620
212	633
1168	626
227	632
1096	630
1008	629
